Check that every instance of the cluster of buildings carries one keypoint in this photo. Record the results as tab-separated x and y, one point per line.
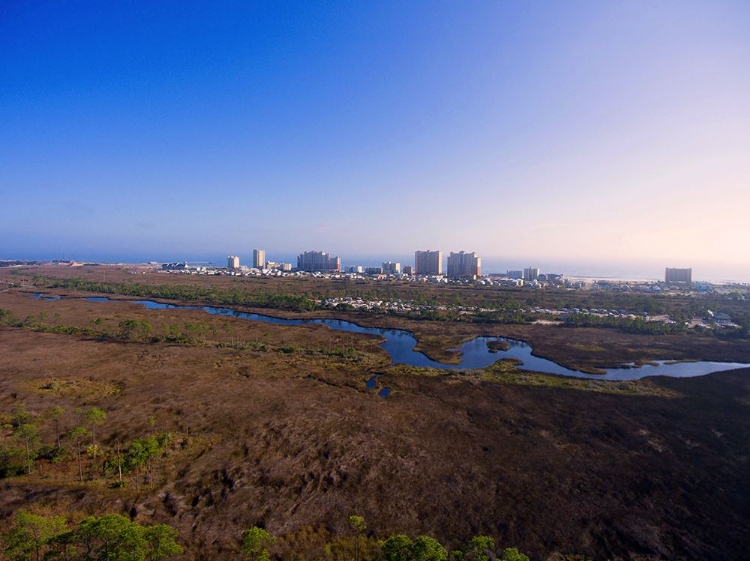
389	268
428	264
461	265
259	262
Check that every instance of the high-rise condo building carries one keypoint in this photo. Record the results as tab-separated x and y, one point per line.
391	268
233	262
318	261
684	276
428	262
464	265
259	258
530	274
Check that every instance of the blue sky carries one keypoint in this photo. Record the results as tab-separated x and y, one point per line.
529	132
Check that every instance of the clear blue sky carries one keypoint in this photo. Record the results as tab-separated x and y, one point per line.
524	131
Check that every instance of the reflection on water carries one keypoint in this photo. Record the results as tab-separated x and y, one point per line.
475	354
41	296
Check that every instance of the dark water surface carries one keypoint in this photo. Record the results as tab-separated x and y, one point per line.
399	344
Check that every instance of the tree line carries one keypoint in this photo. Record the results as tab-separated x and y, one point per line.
187	292
113	537
491	305
34	537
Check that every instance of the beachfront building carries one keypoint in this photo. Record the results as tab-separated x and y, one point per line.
391	268
319	261
233	262
681	276
259	258
428	262
530	274
464	265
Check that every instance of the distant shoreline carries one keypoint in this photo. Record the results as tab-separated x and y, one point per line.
574	275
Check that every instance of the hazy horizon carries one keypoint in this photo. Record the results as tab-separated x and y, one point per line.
714	272
565	133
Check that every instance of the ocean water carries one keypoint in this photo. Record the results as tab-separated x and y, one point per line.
719	273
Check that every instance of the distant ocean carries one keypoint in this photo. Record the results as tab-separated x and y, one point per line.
645	271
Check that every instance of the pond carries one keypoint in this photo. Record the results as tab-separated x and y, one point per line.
475	354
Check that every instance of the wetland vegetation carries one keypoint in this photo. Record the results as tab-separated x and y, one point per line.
211	425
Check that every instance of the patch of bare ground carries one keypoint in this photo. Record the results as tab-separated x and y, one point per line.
280	431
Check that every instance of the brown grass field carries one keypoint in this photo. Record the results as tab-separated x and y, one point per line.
274	426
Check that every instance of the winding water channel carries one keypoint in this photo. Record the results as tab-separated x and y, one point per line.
399	344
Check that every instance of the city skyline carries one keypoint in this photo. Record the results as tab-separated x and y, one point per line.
648	272
591	134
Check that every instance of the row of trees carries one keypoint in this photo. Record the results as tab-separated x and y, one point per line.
641	325
446	304
630	325
436	304
257	544
34	537
188	292
299	294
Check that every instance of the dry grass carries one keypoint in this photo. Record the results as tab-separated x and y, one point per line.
293	440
